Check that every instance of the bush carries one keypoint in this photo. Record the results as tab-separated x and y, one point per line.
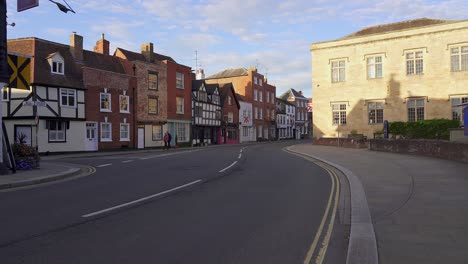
424	129
26	157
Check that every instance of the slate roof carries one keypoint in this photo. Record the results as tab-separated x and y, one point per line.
102	62
134	56
284	101
291	92
210	88
196	84
43	49
229	73
386	28
224	92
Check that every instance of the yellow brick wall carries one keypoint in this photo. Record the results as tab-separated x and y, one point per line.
437	83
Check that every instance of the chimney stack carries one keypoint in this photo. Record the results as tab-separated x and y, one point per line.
147	51
76	46
102	46
300	92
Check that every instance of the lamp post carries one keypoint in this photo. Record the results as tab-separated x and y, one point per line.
337	120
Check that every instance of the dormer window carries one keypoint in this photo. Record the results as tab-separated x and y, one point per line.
56	63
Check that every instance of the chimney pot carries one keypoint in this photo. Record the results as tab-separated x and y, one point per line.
76	46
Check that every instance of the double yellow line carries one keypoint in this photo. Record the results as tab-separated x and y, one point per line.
316	254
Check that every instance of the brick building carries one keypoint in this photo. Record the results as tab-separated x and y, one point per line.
254	88
228	133
300	103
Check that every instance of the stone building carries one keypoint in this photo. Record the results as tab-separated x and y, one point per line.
405	71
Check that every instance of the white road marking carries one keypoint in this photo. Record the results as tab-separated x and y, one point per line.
240	155
223	170
168	154
126	161
104	165
140	200
241	150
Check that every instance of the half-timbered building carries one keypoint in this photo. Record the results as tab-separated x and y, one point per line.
206	113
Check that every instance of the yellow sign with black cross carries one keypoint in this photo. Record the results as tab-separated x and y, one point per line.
19	69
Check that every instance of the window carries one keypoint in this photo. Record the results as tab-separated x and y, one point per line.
339	114
57	67
259	131
415	110
105	99
124	132
67	97
272	114
256	112
229	100
338	71
230	117
260	96
260	81
106	132
374	67
414	63
156	132
255	95
182	130
57	130
272	98
198	111
180	105
260	114
232	133
267	96
153	81
459	58
215	99
152	105
457	111
180	80
124	104
218	114
375	112
245	131
202	96
255	80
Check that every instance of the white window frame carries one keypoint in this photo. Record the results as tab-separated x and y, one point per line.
374	110
180	80
182	130
229	100
230	117
272	98
109	96
260	96
374	67
69	93
128	103
58	65
255	94
128	132
260	81
54	134
414	62
412	104
267	96
338	71
105	139
339	110
457	111
255	80
179	105
459	57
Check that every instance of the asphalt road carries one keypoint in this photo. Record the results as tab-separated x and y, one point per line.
227	204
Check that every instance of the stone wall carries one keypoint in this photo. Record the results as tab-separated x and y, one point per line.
343	142
431	148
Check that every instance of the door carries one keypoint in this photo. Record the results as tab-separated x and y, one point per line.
141	138
91	136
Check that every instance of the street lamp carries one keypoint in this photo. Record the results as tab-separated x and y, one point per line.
337	121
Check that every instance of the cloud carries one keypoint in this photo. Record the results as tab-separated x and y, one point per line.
57	32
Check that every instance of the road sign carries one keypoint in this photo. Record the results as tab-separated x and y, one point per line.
385	128
35	103
22	5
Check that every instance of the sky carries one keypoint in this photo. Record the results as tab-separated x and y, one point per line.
275	36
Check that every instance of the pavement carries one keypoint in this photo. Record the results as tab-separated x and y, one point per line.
405	208
418	205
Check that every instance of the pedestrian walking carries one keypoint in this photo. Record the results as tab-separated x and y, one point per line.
169	138
166	140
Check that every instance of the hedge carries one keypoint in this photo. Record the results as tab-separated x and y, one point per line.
424	129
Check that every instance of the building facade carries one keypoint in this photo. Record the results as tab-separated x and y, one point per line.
246	131
300	102
285	119
206	113
406	71
228	133
254	87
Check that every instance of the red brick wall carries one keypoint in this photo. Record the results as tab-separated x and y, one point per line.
231	108
95	81
173	92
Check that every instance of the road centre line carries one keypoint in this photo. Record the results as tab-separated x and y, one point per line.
225	169
126	161
240	155
140	200
104	165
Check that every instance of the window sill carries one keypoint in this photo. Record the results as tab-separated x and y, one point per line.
106	140
124	140
152	113
58	73
57	141
180	88
125	112
105	111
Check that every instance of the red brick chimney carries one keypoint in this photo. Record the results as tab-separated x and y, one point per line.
147	51
76	46
102	46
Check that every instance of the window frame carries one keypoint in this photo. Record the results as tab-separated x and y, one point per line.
460	56
153	85
413	62
123	139
180	79
416	109
457	111
376	112
101	132
59	67
372	67
340	109
63	129
158	135
180	111
340	69
128	104
68	95
110	102
156	106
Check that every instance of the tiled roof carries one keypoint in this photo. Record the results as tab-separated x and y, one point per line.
102	62
409	24
133	56
210	88
43	49
229	73
224	92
